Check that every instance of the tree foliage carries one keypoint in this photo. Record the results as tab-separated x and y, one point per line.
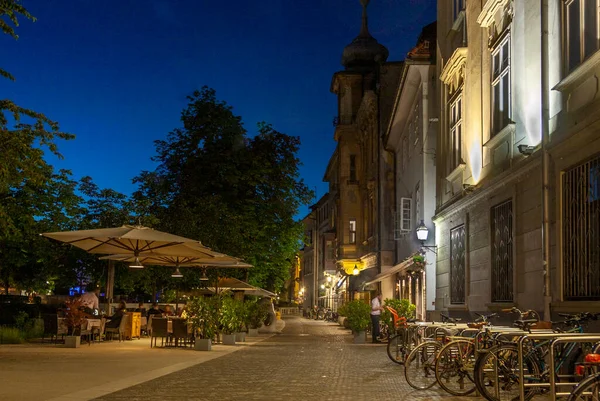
237	194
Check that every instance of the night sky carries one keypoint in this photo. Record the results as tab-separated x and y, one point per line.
116	73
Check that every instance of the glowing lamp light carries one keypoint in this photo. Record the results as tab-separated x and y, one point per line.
422	232
203	277
322	286
329	279
355	271
136	264
177	273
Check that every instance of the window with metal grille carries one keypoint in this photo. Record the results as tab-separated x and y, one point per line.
457	265
456	132
581	231
502	253
501	104
580	20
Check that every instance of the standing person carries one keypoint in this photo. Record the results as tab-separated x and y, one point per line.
376	309
90	300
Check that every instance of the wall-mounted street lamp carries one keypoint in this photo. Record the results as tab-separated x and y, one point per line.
322	286
355	271
422	235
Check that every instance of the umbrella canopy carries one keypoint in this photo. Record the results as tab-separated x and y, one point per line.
123	240
154	259
234	284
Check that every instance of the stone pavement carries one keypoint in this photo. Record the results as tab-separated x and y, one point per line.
310	360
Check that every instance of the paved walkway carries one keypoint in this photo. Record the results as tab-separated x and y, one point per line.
311	360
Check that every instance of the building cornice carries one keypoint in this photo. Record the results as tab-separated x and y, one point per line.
489	10
455	64
488	187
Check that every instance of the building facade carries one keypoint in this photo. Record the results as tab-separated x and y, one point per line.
518	152
410	136
360	173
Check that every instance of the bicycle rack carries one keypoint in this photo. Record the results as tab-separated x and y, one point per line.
555	338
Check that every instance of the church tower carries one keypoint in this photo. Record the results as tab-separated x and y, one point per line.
353	171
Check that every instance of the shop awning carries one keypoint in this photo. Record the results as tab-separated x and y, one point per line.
399	267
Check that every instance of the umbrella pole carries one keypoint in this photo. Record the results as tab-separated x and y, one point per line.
110	282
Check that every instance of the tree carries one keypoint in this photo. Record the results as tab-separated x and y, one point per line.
238	195
33	197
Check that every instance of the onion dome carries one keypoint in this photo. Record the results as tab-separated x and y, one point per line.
364	51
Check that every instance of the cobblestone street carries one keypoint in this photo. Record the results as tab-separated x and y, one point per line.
309	360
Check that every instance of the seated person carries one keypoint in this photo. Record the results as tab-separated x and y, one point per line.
154	311
141	309
168	311
115	320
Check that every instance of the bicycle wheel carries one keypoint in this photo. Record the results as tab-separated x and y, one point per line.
419	366
454	367
397	349
497	374
587	390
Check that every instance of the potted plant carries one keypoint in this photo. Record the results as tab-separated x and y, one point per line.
240	331
402	306
255	316
358	315
202	313
418	261
229	320
342	320
74	318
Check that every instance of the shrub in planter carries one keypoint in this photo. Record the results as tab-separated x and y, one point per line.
74	316
402	306
255	314
203	314
358	315
231	316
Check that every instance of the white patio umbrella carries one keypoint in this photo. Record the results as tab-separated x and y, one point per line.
130	240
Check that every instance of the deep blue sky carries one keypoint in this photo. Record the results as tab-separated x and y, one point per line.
116	72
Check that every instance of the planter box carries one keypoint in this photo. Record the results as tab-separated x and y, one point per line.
341	320
72	341
252	332
203	344
228	339
240	337
360	337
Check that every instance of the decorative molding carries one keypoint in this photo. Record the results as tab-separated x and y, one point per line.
486	188
455	65
488	13
579	74
456	172
501	136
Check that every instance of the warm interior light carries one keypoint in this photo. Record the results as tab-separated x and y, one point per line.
177	273
355	271
322	286
136	264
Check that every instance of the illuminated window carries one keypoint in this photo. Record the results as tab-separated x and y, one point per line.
456	132
580	19
501	104
352	231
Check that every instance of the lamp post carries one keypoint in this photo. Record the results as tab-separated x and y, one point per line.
422	235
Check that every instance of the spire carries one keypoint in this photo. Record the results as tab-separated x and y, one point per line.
364	30
364	51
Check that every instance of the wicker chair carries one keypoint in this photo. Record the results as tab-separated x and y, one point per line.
119	330
181	332
159	328
52	328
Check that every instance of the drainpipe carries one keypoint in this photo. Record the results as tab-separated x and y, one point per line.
379	166
545	160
